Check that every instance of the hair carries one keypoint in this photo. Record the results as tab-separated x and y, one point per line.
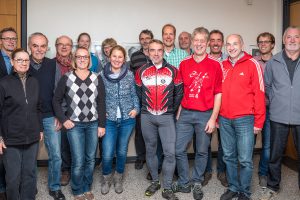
147	32
190	35
238	36
83	34
156	41
266	34
8	29
16	51
74	65
109	41
288	28
63	36
200	30
216	31
168	25
120	48
37	34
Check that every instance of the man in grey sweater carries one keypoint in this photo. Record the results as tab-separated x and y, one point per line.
282	82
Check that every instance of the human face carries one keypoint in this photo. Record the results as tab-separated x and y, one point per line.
292	40
265	45
234	46
64	46
117	59
84	41
168	37
38	46
156	53
82	59
21	62
144	40
184	40
215	43
200	44
9	41
107	49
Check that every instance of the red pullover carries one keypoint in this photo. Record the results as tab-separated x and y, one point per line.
243	90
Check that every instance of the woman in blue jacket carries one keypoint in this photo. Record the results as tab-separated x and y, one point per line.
122	106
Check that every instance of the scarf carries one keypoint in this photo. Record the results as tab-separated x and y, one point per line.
65	63
115	78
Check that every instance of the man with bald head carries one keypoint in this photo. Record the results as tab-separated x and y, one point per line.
242	115
185	41
63	60
282	81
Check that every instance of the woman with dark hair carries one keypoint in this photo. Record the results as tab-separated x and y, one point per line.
21	128
84	120
122	107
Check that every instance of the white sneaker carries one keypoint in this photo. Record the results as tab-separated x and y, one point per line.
268	194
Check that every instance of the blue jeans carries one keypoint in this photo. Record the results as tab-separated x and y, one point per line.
266	145
116	140
52	141
83	139
237	137
191	122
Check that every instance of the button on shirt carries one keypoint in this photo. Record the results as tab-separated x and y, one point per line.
7	62
175	56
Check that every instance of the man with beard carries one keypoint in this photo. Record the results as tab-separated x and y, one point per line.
185	42
282	82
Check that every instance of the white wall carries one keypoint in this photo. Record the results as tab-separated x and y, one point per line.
123	20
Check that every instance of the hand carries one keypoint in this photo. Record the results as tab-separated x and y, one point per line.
257	130
101	132
178	112
132	113
57	124
68	124
2	147
210	126
41	136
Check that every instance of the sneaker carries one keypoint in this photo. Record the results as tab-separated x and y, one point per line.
263	180
155	185
89	195
242	196
207	177
65	178
180	188
169	194
197	191
228	195
79	197
268	194
57	195
223	179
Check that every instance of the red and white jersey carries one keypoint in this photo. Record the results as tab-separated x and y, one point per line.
201	81
243	90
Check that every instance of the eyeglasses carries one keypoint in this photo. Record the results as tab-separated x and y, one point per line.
82	57
264	42
9	39
20	61
63	45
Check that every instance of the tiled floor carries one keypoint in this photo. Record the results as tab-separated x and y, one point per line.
136	183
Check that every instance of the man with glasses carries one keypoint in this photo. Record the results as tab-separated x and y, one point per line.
63	60
265	43
44	69
8	43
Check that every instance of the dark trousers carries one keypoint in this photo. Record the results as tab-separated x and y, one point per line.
20	165
65	151
279	139
139	140
2	175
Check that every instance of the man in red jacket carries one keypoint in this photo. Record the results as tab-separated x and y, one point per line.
242	115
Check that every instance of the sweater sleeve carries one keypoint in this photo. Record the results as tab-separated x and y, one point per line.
58	99
178	89
2	96
259	95
136	102
101	107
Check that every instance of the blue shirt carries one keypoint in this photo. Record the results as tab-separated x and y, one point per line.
95	64
7	62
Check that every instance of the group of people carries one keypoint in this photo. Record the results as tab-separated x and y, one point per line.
170	95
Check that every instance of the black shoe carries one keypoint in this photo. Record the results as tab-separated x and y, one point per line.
242	196
139	164
181	188
169	194
57	195
228	195
197	191
149	177
155	185
207	177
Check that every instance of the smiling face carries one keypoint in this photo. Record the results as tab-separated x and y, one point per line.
20	62
144	40
184	40
156	53
291	40
199	43
8	41
64	46
84	41
265	45
117	59
168	36
234	46
38	46
215	43
82	59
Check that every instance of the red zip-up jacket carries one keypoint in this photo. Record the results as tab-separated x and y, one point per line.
243	90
